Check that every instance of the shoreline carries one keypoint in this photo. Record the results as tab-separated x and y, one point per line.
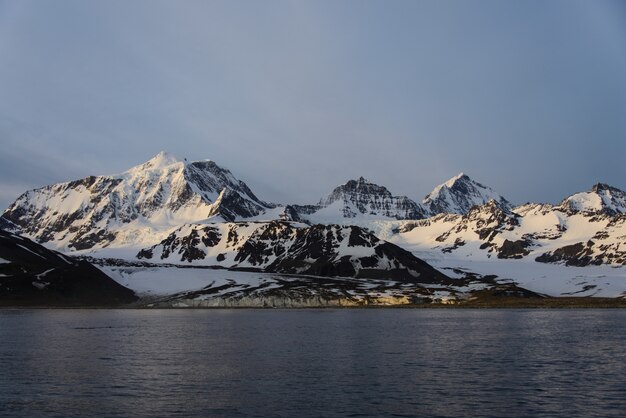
490	303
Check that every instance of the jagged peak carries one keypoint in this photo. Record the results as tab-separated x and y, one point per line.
362	197
208	164
603	187
360	181
449	184
352	187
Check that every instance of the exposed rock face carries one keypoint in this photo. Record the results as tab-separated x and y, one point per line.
514	249
578	254
161	193
285	247
6	225
362	197
31	275
591	252
459	195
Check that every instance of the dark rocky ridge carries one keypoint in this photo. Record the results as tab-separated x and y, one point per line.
586	253
36	276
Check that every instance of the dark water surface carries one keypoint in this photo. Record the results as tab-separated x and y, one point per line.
313	362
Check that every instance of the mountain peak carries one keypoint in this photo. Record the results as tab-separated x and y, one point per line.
354	188
459	194
161	160
602	198
161	192
603	188
363	199
453	180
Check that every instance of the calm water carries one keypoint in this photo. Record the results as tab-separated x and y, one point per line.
313	362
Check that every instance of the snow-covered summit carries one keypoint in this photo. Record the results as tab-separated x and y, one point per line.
154	196
602	198
459	194
161	160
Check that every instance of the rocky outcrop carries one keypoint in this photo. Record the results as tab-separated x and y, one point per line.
586	253
514	249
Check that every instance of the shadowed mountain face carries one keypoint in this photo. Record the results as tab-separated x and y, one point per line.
363	197
31	275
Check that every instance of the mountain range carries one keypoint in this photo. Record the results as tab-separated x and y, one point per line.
197	213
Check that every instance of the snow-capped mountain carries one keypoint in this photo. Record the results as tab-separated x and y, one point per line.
286	247
602	198
167	212
459	194
586	228
133	206
357	201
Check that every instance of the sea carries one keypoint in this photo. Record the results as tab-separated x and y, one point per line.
313	363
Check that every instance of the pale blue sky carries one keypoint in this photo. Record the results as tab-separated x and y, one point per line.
296	97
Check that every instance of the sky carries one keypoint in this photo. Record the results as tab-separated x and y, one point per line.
296	97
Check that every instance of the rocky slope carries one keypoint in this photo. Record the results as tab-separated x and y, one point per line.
286	247
131	207
31	275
